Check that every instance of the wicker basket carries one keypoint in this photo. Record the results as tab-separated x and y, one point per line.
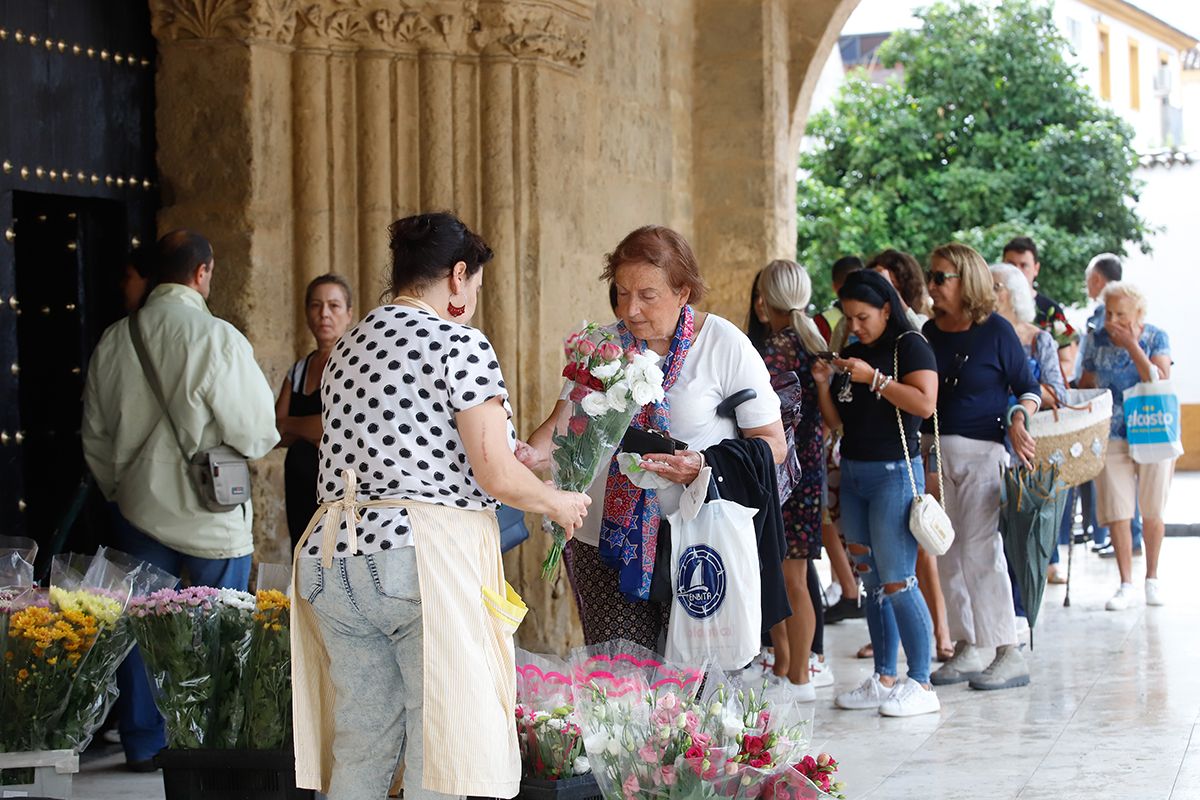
1074	436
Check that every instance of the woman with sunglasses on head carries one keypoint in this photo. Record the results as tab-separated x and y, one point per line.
982	364
888	383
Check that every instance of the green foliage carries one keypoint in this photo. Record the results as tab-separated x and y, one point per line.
986	135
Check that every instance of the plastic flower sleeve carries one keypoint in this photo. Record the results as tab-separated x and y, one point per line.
268	682
107	583
230	655
176	633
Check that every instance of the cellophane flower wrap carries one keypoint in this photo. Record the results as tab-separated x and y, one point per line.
233	628
650	735
176	631
548	730
268	683
101	586
606	386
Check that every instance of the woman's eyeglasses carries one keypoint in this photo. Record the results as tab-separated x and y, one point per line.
939	278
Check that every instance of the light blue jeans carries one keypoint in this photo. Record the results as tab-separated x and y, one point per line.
876	496
369	611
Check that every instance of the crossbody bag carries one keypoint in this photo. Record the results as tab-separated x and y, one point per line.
220	475
927	517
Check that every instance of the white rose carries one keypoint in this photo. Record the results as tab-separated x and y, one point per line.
617	395
613	747
595	404
644	393
557	724
606	371
581	766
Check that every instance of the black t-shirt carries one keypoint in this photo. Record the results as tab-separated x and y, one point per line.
871	433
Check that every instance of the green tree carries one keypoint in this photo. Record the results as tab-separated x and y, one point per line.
987	133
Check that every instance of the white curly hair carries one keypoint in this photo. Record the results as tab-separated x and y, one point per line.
1019	291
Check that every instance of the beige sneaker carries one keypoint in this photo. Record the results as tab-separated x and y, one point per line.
965	664
1008	670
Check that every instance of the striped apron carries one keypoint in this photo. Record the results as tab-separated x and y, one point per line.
469	615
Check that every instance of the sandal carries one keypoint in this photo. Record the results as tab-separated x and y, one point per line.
866	651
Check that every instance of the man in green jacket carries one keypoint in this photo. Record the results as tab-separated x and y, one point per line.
217	394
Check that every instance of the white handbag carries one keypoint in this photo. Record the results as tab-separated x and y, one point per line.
927	518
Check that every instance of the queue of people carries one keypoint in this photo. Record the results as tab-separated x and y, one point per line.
401	446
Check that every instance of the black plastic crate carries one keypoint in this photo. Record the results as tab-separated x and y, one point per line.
230	775
581	787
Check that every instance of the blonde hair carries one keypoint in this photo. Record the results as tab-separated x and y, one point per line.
785	287
1126	289
1019	292
978	298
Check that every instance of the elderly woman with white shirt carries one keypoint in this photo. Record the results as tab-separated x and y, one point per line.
706	359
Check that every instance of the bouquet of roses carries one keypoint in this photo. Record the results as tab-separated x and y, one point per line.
268	673
809	779
607	386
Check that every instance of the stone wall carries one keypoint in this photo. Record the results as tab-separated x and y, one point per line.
292	133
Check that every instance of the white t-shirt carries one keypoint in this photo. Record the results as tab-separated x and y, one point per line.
720	362
390	393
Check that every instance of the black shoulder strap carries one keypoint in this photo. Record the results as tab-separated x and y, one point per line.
139	347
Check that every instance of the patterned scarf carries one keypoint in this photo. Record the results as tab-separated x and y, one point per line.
629	530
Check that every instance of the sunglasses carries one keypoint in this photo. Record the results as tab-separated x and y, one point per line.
939	278
960	361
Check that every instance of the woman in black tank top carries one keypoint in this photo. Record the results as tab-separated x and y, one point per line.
298	409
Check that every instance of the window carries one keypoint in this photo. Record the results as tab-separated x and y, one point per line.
1135	77
1075	33
1105	73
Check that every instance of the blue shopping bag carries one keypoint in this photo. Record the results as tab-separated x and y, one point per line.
1153	422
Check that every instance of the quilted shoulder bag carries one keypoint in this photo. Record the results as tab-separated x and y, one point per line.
927	518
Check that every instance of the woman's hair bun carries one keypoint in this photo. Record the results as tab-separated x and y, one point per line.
413	229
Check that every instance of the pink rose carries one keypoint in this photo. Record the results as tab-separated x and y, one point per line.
610	351
823	760
631	787
585	347
648	754
668	775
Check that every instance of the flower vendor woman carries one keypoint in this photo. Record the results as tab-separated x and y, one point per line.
402	627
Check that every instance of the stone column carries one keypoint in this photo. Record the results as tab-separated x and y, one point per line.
311	169
225	159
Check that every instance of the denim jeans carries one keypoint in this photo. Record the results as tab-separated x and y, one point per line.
142	729
369	611
876	497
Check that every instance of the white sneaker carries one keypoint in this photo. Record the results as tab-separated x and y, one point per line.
804	692
1119	601
1153	593
910	699
820	672
870	695
833	593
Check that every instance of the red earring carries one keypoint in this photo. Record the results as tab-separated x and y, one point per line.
456	311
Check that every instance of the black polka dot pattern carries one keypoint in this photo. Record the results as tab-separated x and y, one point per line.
395	382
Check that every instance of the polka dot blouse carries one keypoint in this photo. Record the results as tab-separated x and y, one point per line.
390	393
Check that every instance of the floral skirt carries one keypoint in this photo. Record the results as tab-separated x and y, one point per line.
604	612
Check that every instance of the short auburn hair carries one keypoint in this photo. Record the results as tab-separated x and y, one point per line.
663	248
978	296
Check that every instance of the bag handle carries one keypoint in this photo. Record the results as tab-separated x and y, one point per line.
139	347
937	438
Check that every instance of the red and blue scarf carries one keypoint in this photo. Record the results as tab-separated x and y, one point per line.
629	530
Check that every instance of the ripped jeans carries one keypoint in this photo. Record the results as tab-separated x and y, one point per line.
876	496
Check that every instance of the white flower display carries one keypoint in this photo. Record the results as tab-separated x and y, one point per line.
618	396
606	371
235	599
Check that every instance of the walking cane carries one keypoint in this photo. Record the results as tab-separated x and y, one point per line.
1070	553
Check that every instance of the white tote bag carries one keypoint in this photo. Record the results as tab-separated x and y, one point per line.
716	613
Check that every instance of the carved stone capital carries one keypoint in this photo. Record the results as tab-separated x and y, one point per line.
244	20
554	30
551	30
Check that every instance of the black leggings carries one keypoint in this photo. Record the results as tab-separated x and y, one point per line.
814	591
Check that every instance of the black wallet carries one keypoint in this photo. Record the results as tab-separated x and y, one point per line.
643	442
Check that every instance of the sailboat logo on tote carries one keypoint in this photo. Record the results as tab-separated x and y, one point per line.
701	581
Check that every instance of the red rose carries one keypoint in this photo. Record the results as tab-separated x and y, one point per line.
753	745
578	425
578	393
570	371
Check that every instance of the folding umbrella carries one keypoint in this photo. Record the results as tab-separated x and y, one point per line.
1031	508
